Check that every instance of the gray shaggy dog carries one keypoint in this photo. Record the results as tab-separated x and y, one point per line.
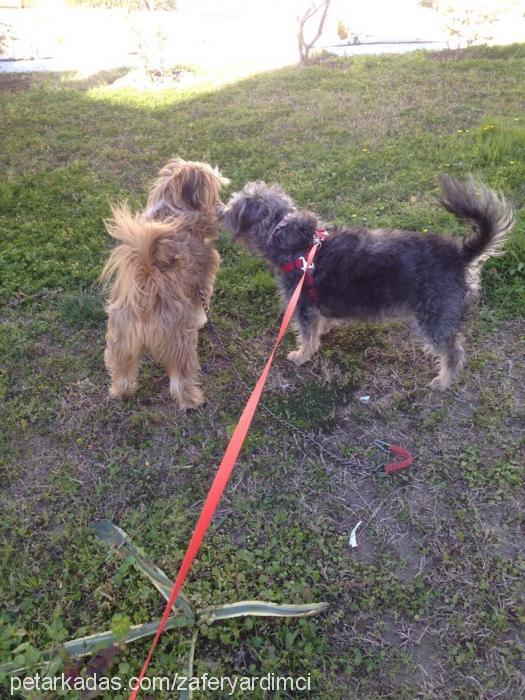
378	274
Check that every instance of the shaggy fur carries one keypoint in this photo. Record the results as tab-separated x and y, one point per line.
164	257
372	275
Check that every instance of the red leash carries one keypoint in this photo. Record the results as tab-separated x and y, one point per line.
223	474
405	462
396	450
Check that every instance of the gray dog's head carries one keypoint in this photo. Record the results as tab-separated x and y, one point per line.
253	213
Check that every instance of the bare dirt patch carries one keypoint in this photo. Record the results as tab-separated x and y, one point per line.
456	512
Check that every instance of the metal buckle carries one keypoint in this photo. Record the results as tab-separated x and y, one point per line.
382	445
317	240
304	264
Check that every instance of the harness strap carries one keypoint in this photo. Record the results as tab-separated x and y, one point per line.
293	265
301	264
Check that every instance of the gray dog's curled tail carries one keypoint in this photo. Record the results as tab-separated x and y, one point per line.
489	214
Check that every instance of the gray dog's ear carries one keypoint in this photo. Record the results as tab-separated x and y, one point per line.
252	212
296	233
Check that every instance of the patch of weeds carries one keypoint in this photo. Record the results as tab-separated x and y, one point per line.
506	52
480	360
501	476
83	309
495	404
434	419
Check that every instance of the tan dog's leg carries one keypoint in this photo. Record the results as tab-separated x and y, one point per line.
208	284
200	315
182	365
122	359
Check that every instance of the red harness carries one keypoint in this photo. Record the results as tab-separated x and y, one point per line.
301	264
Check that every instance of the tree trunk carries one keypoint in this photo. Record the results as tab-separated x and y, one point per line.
304	46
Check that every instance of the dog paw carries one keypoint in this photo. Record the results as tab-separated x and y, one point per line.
191	400
439	384
297	357
191	405
122	390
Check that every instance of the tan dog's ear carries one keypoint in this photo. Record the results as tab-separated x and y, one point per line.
194	191
201	186
186	185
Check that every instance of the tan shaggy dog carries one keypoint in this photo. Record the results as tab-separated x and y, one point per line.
164	261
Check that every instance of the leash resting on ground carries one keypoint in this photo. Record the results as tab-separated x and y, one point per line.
405	462
223	474
398	450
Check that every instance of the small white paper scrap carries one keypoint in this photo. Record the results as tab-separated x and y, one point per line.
364	399
353	540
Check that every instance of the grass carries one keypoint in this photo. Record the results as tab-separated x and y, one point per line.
429	603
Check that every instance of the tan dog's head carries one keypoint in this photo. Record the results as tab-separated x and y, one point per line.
185	186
